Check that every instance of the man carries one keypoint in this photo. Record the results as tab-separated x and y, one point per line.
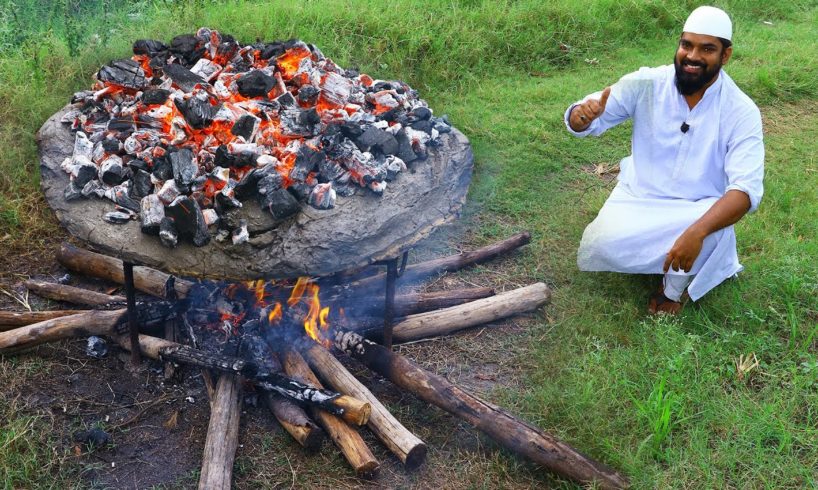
696	167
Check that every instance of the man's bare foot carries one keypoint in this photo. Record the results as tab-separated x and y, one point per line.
659	303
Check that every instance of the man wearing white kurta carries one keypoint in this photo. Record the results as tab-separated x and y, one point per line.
696	167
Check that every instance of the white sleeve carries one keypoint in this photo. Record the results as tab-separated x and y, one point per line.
744	162
620	107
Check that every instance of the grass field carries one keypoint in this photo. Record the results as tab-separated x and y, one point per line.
664	400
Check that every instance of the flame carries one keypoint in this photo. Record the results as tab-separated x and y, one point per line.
276	313
289	62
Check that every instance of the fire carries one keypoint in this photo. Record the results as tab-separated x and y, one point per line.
316	319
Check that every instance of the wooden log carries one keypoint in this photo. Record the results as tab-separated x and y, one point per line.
310	395
94	322
347	439
405	445
414	303
507	430
451	263
448	320
147	280
295	421
13	319
222	435
71	294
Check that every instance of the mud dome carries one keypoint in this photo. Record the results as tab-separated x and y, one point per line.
361	228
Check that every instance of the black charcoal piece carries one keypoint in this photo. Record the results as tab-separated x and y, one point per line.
255	84
309	117
280	203
301	190
167	233
285	100
307	161
328	170
247	185
182	77
322	196
186	47
308	94
377	140
421	113
111	144
150	47
122	198
125	73
405	151
377	87
223	157
272	50
393	166
84	174
425	126
189	220
351	129
137	164
269	183
245	158
112	171
96	347
184	167
141	184
155	96
152	213
72	192
344	190
197	111
162	169
93	188
245	126
225	201
117	217
121	124
442	125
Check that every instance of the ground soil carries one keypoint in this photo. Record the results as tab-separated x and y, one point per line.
158	426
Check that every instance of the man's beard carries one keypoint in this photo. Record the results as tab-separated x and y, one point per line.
689	84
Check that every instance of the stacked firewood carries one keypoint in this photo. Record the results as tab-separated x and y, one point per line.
289	375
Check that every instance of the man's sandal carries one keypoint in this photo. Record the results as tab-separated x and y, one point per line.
659	303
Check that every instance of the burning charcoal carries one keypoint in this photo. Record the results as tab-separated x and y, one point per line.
167	233
111	170
189	220
423	125
111	145
344	190
336	88
121	124
272	50
240	234
197	110
246	127
225	200
285	100
155	96
141	184
125	73
307	95
82	146
211	216
405	151
322	197
269	182
84	97
393	166
206	69
118	217
149	47
301	190
152	214
182	77
377	187
93	188
280	203
296	122
187	48
224	158
377	141
94	438
420	113
119	195
307	161
351	130
168	192
162	169
184	167
309	117
328	170
84	172
255	84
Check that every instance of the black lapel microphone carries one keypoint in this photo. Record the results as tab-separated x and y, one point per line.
685	127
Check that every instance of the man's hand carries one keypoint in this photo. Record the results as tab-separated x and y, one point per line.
684	252
583	114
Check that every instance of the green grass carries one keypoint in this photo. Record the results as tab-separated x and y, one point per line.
662	399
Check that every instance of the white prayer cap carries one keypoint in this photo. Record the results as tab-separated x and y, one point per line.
710	21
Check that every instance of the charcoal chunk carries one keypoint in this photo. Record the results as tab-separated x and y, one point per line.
187	47
223	157
322	196
84	174
182	77
248	184
167	233
137	164
125	73
117	217
301	190
269	183
280	203
225	201
162	169
308	160
121	197
111	144
184	167
285	100
377	140
155	96
141	184
72	192
308	94
328	170
351	130
112	171
245	127
150	47
152	213
121	124
425	126
197	111
405	151
255	84
309	117
189	221
421	113
272	50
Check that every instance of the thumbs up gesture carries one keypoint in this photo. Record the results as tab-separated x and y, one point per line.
583	114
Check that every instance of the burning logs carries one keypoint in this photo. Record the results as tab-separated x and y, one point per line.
495	422
222	435
348	440
405	445
94	322
70	294
14	319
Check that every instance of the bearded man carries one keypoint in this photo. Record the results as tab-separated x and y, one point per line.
696	167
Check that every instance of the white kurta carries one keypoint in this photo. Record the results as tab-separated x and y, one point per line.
672	178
